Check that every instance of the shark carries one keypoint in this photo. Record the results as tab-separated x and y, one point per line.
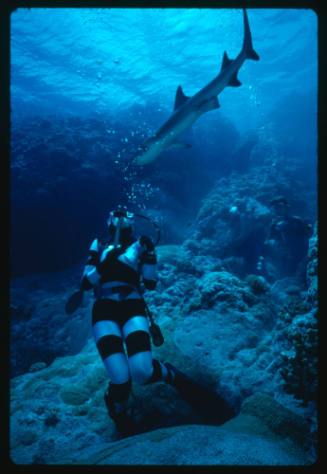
188	109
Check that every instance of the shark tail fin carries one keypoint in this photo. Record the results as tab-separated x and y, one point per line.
250	53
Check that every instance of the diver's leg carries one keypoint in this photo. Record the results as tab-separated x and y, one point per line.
108	338
143	368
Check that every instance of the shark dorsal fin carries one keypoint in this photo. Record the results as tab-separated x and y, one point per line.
226	61
234	82
180	98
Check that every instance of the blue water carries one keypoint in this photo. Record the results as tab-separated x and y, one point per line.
121	68
101	61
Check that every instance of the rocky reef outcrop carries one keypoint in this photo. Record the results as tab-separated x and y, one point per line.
220	329
40	330
58	417
312	268
252	340
233	221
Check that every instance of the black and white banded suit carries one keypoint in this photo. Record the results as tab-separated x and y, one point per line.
119	317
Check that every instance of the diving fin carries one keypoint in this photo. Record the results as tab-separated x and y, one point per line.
203	399
74	302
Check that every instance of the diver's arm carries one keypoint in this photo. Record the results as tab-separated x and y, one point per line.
149	263
91	276
303	227
274	235
88	281
274	231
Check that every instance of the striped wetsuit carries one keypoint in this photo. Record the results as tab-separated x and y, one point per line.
118	314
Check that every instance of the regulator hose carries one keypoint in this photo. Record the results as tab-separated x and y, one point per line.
155	225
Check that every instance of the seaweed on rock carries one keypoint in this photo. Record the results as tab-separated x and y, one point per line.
300	363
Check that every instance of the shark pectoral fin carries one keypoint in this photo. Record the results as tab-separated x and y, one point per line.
180	98
180	145
234	82
210	104
226	61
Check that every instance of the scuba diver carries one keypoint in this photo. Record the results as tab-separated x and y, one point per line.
287	243
115	271
247	221
119	313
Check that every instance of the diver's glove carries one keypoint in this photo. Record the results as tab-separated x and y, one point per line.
76	299
147	243
85	285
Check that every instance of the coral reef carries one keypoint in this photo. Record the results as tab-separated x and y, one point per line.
257	283
300	361
227	327
47	332
298	324
312	268
233	220
47	430
223	330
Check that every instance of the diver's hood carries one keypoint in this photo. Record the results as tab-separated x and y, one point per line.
121	219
